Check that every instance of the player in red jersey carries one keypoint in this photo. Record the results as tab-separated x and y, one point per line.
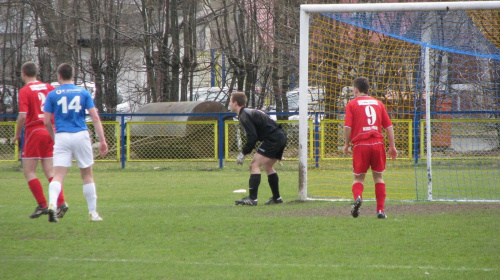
38	145
365	117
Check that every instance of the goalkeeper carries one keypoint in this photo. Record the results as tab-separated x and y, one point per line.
259	126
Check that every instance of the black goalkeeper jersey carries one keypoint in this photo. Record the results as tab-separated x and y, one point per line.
258	126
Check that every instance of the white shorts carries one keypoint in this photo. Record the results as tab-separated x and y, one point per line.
68	145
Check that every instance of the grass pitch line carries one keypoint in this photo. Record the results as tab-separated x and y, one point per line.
462	268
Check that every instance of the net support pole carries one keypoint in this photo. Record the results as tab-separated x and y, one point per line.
427	81
303	90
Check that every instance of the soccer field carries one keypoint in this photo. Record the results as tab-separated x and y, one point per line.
179	221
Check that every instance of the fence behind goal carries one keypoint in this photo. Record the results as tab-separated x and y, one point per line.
436	69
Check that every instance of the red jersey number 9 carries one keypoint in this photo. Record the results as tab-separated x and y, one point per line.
371	115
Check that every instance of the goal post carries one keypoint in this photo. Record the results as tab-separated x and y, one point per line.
435	66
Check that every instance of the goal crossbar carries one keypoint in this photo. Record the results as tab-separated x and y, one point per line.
400	7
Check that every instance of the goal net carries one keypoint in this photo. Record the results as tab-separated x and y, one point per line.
435	66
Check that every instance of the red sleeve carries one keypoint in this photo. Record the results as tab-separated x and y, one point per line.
348	115
23	100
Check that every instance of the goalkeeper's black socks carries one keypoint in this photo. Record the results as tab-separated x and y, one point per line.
253	185
274	183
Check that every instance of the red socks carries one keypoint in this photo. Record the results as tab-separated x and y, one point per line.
357	190
60	199
380	195
37	191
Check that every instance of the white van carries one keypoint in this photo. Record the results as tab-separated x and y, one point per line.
90	87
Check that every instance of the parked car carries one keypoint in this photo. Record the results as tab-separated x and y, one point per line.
90	87
7	97
211	94
121	107
315	97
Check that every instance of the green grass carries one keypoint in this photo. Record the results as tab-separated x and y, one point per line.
179	221
452	179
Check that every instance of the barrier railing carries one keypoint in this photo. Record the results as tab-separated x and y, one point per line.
221	138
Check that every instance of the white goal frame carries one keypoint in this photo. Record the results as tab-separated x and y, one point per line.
307	9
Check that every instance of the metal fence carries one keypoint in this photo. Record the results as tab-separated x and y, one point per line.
172	140
236	139
134	141
221	140
8	151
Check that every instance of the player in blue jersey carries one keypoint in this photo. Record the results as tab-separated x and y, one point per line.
67	104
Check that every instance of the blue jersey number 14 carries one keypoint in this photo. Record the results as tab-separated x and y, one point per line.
73	105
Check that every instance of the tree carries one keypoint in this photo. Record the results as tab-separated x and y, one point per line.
286	31
189	63
13	52
56	28
105	50
147	44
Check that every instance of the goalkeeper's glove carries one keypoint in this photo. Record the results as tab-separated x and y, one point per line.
240	159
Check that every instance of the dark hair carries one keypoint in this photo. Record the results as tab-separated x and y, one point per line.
362	84
240	98
65	71
29	69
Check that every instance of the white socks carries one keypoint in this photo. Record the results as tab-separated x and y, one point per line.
54	190
91	196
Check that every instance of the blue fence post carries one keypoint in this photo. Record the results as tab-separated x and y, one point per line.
316	138
221	140
20	147
122	140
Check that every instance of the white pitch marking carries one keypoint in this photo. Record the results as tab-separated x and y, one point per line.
462	268
240	191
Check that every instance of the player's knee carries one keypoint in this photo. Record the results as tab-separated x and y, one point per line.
270	171
254	166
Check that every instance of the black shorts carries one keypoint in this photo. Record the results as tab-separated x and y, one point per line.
274	145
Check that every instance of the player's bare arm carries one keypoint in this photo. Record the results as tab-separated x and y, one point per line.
103	146
392	146
347	139
47	121
21	120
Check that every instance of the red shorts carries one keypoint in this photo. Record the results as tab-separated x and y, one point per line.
368	154
37	144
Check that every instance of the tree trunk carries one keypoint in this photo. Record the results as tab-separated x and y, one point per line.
147	47
173	94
